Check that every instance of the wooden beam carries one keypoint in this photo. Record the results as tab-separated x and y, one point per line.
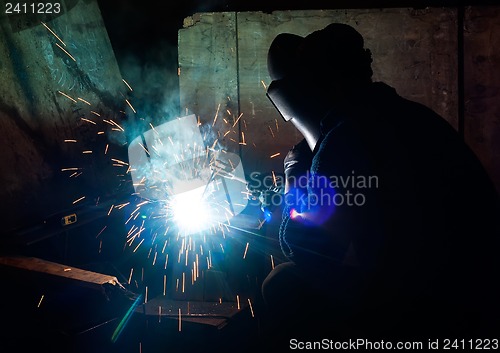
42	267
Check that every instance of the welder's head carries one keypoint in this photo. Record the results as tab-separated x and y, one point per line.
311	71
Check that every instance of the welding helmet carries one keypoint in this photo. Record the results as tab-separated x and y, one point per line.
284	89
289	98
303	70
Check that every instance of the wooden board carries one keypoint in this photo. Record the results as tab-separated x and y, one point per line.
33	265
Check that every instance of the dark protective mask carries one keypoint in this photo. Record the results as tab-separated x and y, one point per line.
291	97
276	92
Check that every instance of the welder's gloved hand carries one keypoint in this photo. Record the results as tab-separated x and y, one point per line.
296	165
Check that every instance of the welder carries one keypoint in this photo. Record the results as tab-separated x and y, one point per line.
418	256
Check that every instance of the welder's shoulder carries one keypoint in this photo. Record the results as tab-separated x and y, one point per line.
421	118
341	150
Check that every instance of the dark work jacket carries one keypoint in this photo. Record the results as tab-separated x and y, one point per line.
420	227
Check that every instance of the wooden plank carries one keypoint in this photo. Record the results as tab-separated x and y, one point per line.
35	265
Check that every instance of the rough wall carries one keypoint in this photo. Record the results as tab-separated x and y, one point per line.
59	81
482	86
222	60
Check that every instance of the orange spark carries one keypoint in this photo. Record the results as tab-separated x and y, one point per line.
40	302
65	95
246	250
55	35
144	148
102	230
236	122
64	50
243	139
216	114
125	82
83	100
115	124
78	200
89	121
130	105
251	308
137	247
272	133
130	276
119	161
